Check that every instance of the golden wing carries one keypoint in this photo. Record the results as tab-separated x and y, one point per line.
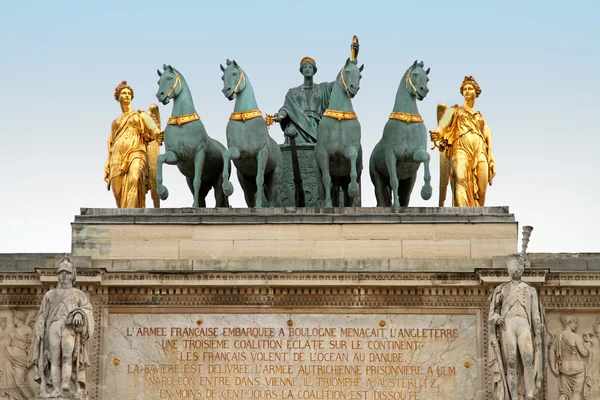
441	109
153	152
444	162
154	112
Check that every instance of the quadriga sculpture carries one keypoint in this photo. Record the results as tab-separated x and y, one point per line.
396	158
198	156
255	154
338	152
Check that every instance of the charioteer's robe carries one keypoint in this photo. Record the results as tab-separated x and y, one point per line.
304	107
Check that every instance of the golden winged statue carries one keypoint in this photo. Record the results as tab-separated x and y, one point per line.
133	148
465	143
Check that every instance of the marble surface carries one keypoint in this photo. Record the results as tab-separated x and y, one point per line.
574	373
291	356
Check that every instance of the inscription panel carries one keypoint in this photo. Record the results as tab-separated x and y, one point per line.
291	356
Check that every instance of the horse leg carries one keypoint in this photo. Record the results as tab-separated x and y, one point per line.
170	158
351	154
232	153
220	199
190	183
319	179
346	194
421	156
381	189
405	188
204	189
335	195
322	160
198	167
390	164
271	180
261	165
248	185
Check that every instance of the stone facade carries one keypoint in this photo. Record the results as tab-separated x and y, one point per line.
427	301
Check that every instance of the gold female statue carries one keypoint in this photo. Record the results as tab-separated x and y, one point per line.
129	168
465	141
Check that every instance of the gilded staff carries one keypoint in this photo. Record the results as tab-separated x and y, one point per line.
353	48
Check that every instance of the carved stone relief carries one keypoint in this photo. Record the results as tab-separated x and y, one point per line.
16	334
573	356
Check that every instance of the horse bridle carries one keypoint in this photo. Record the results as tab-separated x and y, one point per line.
344	81
408	80
177	81
242	76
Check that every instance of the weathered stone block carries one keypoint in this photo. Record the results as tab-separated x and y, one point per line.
436	249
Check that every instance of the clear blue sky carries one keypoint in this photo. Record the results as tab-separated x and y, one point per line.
538	64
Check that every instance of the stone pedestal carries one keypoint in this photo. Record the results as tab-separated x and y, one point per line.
306	161
383	239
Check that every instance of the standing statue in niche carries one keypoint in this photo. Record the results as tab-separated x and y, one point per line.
63	327
465	143
133	147
516	324
569	358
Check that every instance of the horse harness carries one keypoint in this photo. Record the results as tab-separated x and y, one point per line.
245	115
182	119
407	117
341	115
242	76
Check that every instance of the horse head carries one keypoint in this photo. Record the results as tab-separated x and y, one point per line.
169	84
234	79
416	80
350	77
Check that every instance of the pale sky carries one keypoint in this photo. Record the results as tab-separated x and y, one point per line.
537	62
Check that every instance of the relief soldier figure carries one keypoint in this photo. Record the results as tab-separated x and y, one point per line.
516	323
569	357
13	358
63	327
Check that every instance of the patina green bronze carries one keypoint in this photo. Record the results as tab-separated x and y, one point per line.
256	155
396	158
338	152
288	187
198	157
304	105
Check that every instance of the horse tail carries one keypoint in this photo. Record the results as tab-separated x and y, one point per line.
153	152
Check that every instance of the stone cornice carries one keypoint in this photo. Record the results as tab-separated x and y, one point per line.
285	215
